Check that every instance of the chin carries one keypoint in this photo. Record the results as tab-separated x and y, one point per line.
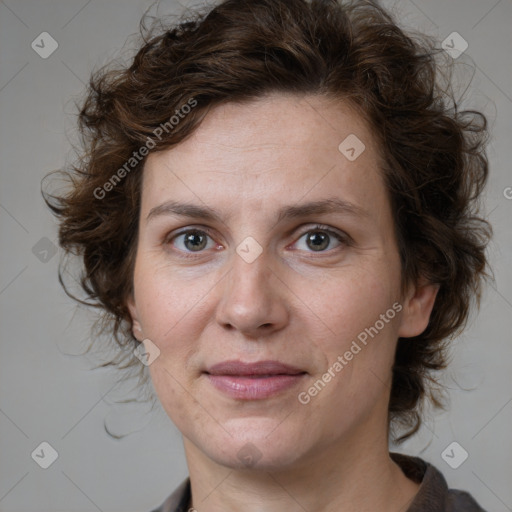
249	456
255	443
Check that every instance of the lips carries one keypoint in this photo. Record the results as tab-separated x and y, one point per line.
253	381
260	368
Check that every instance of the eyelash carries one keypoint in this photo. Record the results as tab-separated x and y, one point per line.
344	239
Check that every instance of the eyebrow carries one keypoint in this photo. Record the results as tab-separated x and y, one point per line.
324	206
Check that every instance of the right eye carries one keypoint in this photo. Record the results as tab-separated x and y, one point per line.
191	241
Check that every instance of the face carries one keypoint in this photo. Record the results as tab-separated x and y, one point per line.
268	276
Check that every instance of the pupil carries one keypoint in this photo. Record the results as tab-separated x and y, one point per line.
318	240
194	241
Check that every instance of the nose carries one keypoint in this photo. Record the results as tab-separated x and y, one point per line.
253	298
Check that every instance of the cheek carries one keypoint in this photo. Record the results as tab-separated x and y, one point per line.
362	313
166	300
355	301
168	310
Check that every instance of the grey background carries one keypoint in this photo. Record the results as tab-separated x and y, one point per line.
46	395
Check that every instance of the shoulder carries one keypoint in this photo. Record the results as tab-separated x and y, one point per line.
434	494
178	501
459	501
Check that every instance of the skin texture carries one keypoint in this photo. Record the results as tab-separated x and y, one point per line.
292	304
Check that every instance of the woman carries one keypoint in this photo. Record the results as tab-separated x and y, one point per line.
277	211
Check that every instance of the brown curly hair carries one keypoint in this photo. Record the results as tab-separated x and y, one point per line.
435	165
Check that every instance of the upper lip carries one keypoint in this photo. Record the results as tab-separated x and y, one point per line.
235	367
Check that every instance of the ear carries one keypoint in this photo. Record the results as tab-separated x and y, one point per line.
136	326
417	307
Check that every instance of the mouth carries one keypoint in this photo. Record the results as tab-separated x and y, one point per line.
253	381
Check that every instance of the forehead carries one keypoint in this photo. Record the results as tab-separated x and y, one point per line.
276	148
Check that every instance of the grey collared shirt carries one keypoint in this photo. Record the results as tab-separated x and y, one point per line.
433	494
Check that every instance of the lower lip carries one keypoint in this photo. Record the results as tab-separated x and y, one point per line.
254	388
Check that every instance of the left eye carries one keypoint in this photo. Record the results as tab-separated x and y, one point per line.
319	239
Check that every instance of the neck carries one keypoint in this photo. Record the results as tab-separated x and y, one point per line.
354	473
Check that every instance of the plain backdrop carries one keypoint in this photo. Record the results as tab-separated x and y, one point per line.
48	393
